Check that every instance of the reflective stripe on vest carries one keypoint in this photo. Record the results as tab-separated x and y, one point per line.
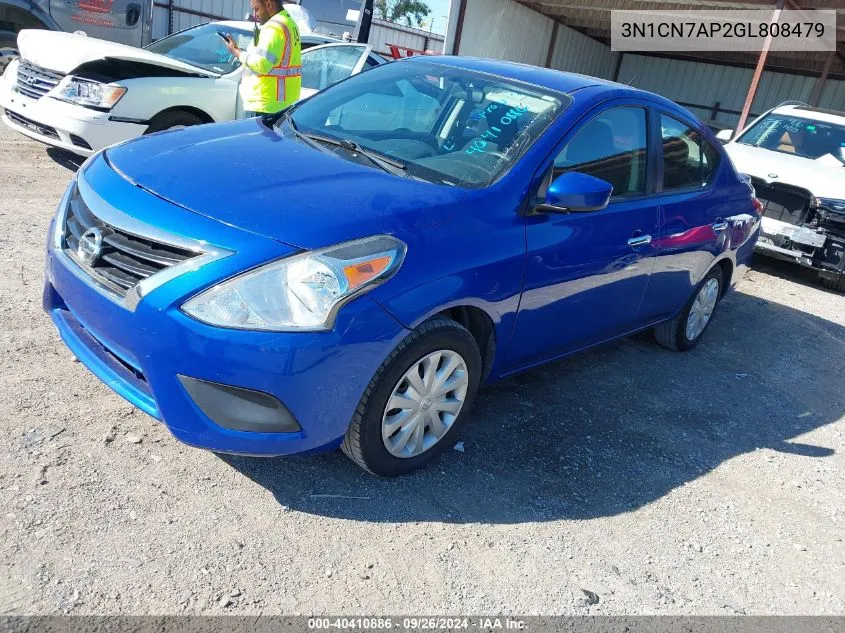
263	52
292	71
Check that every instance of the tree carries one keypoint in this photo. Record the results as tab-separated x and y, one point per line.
409	12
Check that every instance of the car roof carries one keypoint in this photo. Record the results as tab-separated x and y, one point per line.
807	112
556	80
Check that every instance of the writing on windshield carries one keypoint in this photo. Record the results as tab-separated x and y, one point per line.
493	132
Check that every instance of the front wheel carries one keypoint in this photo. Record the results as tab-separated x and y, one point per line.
686	329
8	49
173	120
417	400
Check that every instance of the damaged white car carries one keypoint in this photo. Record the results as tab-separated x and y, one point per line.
795	156
83	94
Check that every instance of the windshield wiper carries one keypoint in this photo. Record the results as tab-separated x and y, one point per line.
390	165
387	164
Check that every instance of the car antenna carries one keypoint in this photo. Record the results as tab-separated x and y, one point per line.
633	79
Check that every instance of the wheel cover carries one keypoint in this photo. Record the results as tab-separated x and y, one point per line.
702	309
425	403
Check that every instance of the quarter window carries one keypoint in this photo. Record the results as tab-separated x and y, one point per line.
612	146
689	162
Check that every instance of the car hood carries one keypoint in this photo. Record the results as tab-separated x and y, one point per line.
254	178
824	178
64	52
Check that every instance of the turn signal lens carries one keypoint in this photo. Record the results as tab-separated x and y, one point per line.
359	274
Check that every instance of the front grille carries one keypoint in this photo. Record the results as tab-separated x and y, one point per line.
124	259
35	81
38	128
782	202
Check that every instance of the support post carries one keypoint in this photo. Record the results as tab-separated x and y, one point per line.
618	67
818	88
715	111
758	71
364	22
459	27
552	42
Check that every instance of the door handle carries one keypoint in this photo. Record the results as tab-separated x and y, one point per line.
719	226
639	240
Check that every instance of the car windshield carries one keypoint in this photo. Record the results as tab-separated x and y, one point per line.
799	136
202	47
441	124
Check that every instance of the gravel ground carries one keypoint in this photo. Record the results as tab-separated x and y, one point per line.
625	480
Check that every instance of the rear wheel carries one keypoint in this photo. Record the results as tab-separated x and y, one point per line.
834	283
417	400
686	329
8	49
173	121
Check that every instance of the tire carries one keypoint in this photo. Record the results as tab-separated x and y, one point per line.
171	120
365	443
673	333
837	283
8	49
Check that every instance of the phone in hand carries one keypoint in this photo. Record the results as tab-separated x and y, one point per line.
225	36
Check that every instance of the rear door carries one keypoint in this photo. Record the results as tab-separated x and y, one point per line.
694	213
122	21
325	65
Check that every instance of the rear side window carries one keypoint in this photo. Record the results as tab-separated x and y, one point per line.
612	146
689	162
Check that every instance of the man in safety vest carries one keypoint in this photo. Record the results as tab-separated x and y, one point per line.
272	69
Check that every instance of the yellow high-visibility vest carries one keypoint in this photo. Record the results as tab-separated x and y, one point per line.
272	68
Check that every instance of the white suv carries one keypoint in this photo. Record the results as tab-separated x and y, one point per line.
795	156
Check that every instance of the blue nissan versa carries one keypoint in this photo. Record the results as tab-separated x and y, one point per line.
350	271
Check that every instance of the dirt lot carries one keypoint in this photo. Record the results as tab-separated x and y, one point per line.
708	482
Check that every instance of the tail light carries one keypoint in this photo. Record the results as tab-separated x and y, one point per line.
758	206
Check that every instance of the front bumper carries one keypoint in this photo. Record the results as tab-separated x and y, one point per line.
70	127
803	246
145	354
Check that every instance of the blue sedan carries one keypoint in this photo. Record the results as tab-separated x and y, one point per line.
349	272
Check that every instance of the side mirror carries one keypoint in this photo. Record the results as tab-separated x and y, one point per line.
725	135
574	192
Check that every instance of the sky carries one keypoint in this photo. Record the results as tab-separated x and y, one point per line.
439	11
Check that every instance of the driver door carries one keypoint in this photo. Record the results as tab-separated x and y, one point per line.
587	272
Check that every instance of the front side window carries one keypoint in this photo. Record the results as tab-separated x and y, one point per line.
446	125
799	136
203	47
689	162
612	147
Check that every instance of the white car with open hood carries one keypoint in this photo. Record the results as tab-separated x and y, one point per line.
795	156
83	94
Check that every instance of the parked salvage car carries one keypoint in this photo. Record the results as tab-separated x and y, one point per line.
387	246
795	156
83	94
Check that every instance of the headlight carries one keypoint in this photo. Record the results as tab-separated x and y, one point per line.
90	94
301	293
834	205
